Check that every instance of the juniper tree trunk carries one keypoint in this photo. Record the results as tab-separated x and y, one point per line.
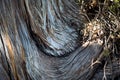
42	40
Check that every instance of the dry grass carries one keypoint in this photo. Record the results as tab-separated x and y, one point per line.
104	24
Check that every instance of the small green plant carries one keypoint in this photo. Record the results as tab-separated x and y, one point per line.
115	7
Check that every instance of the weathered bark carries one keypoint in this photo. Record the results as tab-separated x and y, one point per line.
57	25
42	40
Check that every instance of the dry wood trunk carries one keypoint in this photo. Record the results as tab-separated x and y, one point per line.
42	40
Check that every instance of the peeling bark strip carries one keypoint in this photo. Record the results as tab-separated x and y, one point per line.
32	30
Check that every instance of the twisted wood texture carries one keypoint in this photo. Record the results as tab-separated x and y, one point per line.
41	40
